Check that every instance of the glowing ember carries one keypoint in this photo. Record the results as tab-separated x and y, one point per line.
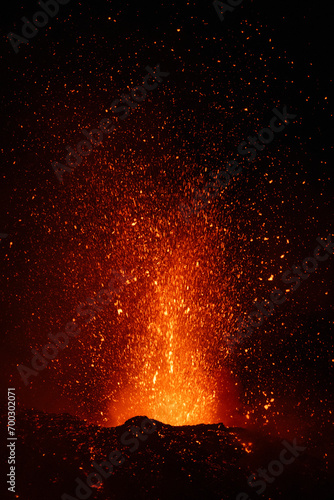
170	377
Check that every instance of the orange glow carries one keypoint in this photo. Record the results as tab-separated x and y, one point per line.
171	377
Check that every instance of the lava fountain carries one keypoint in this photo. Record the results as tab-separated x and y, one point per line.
177	330
158	349
169	382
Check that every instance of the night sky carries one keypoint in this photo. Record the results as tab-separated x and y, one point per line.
119	210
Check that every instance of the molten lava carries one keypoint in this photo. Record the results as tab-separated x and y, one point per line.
172	351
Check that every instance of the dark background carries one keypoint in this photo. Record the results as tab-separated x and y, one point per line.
225	79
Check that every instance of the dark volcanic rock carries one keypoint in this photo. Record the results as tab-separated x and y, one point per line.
204	462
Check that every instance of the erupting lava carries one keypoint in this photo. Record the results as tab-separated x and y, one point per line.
171	374
158	348
169	381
